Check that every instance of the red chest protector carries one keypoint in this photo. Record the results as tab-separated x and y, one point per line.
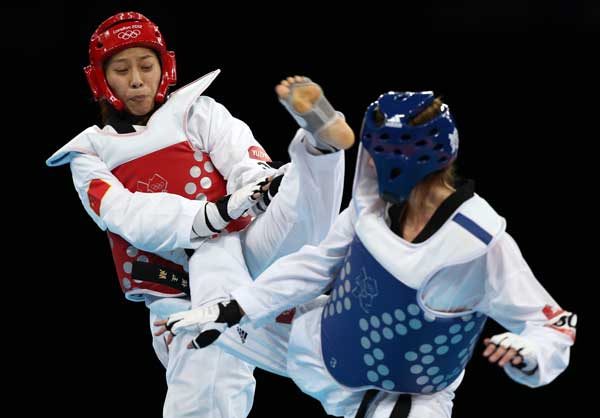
176	169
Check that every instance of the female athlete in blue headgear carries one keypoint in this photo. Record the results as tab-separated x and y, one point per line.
415	265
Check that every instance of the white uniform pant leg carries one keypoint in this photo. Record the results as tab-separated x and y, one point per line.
216	268
265	347
205	383
307	203
307	370
161	308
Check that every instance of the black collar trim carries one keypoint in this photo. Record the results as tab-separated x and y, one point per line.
464	191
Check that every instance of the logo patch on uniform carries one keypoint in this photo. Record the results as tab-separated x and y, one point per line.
257	153
561	320
96	192
243	334
395	121
333	362
366	290
155	184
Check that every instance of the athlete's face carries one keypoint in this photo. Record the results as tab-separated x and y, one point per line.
133	75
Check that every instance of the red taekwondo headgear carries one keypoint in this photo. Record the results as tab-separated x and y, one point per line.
121	31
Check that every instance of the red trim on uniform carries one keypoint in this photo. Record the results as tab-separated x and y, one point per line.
257	153
286	317
96	192
566	331
560	320
551	313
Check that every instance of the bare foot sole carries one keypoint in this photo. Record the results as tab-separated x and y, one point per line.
305	98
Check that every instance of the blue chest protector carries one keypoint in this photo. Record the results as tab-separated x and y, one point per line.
375	335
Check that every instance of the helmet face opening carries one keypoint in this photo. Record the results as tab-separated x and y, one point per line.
404	152
118	32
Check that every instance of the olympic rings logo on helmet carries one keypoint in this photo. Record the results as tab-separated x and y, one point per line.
129	34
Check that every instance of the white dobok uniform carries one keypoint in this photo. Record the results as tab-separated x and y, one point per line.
145	188
401	317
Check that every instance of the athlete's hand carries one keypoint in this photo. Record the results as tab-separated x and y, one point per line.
163	329
234	205
215	216
225	314
509	348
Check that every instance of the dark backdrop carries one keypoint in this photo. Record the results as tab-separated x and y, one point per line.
519	80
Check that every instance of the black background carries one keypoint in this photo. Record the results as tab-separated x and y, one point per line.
519	80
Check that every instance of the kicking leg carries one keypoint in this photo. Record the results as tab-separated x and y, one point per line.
310	193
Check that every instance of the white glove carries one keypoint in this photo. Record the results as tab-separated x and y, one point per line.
216	215
226	313
523	347
246	197
265	200
192	320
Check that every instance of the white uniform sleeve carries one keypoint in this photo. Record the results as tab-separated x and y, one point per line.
229	142
298	277
152	222
518	302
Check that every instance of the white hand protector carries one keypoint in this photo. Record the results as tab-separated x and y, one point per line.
226	312
243	199
192	320
216	215
523	347
263	203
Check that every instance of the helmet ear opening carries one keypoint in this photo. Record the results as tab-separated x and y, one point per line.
428	113
91	79
378	117
395	173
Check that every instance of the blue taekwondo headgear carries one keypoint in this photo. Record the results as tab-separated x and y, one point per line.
405	154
